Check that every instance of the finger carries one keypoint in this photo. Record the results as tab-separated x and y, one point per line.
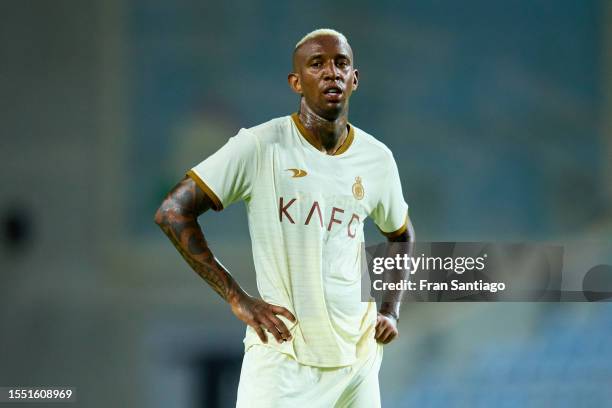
272	329
280	326
260	333
383	332
380	327
383	335
389	335
282	311
392	336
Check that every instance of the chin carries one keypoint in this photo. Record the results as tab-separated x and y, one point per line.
331	113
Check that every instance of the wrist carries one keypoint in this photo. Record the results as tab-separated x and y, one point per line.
390	314
235	295
390	309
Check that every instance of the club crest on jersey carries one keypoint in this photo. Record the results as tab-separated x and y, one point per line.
358	191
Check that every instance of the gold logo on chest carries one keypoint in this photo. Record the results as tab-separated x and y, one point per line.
358	191
298	172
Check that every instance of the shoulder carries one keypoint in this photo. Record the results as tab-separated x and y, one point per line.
270	131
258	136
370	144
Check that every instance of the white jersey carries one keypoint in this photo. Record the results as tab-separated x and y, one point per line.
306	211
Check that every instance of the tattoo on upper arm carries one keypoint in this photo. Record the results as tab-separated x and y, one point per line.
177	217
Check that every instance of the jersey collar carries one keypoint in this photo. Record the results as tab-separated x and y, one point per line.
343	148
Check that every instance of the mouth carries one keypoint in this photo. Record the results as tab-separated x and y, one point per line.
333	93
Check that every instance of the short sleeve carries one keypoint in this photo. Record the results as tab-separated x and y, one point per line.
391	211
227	175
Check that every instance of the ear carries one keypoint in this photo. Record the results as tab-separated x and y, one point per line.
355	79
294	82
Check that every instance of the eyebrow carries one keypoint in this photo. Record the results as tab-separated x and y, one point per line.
315	56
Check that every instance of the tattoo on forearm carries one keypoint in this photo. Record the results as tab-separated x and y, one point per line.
177	217
392	302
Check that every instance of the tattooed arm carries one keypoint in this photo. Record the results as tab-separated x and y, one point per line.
178	218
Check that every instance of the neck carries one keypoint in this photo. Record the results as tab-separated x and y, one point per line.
329	133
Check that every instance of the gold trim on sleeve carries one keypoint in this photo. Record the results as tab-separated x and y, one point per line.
217	205
398	232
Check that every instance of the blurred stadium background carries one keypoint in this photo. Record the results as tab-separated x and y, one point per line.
499	115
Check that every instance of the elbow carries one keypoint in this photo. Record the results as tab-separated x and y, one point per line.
158	218
162	213
169	212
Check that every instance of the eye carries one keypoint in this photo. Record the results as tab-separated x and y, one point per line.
342	64
316	64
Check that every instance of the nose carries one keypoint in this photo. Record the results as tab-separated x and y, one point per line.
331	71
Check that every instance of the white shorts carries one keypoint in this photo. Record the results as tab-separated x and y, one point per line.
271	379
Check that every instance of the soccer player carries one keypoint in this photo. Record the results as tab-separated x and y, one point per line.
309	180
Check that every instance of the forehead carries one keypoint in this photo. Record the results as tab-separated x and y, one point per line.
329	45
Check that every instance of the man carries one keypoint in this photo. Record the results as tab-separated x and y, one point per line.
309	180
